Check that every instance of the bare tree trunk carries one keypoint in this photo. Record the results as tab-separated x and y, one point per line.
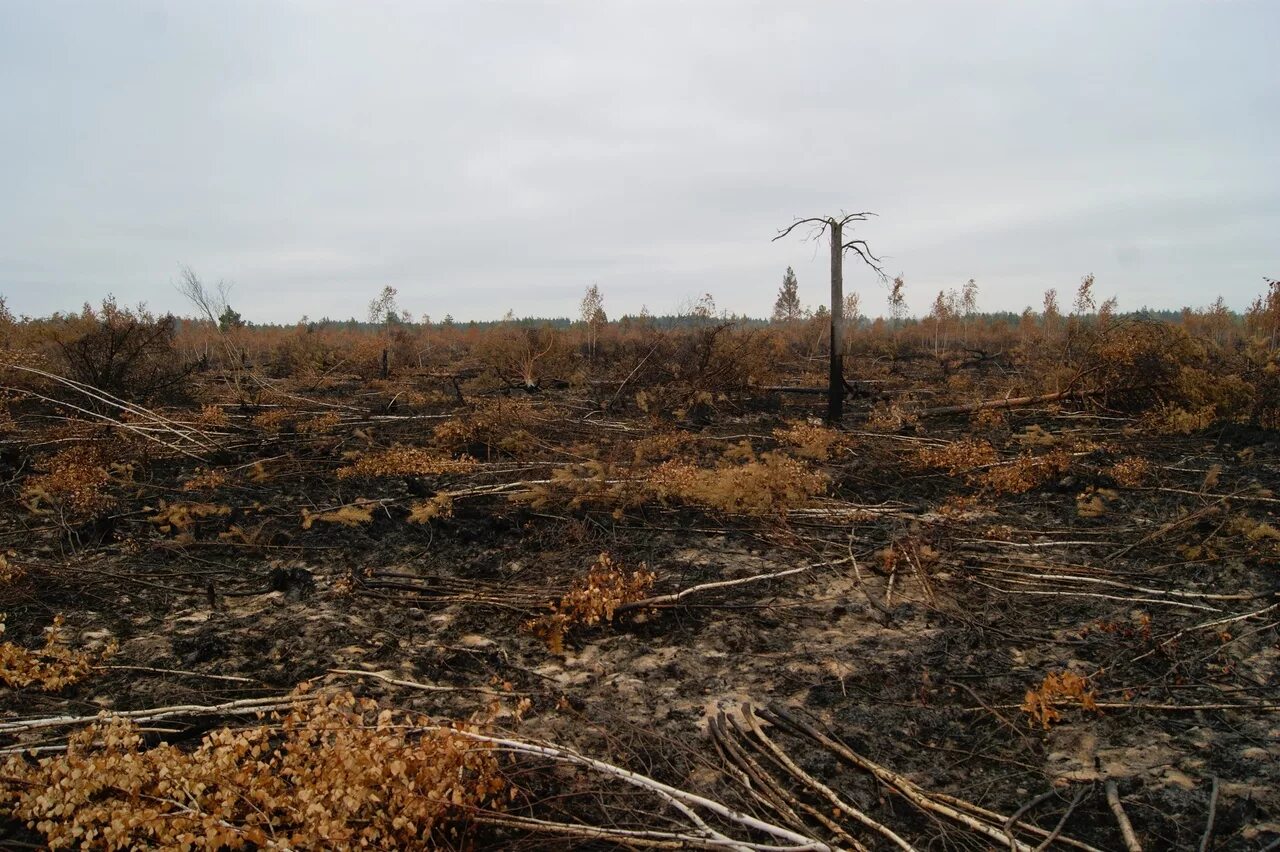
835	385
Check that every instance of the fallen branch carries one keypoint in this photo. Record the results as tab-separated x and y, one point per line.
1207	837
243	707
1013	402
672	795
425	687
675	597
1126	828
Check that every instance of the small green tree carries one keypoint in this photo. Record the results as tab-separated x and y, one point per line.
229	319
385	312
593	316
787	307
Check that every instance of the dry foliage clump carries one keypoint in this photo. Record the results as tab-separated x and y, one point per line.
335	773
1058	688
352	515
810	441
212	415
591	600
205	480
52	667
891	417
499	424
768	485
274	420
1025	472
1252	530
1094	502
181	518
425	511
73	480
10	573
401	460
1130	472
1176	420
958	456
662	446
320	424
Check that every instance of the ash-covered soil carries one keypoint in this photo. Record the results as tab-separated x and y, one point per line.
1165	602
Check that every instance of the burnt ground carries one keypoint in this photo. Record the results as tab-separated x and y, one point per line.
913	638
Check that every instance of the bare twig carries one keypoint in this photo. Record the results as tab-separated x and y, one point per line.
1207	838
1126	828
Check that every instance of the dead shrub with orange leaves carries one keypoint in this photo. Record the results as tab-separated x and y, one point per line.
333	773
1058	689
811	441
498	425
958	456
1025	472
591	600
52	667
73	481
770	484
402	460
1130	472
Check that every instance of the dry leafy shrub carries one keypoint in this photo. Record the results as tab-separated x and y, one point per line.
769	485
811	441
1058	689
522	356
1025	472
663	446
126	352
502	425
1141	366
181	519
591	600
958	505
958	456
1252	530
10	573
52	667
402	460
1130	472
1094	502
425	511
352	515
680	370
205	479
1176	420
334	773
320	424
73	480
989	418
891	417
212	415
273	420
1036	435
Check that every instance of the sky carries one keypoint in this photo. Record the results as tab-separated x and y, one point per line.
482	157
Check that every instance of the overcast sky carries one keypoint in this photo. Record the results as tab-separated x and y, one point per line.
490	156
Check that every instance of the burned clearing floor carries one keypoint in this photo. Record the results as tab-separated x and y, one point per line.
968	638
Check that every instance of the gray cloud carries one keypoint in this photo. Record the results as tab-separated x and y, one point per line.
485	156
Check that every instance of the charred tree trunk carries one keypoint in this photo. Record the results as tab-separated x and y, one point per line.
833	228
835	384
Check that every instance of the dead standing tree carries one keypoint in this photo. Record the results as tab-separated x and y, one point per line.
834	228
